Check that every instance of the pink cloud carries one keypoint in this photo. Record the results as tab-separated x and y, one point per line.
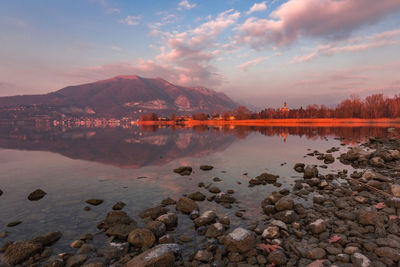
257	7
313	18
357	44
251	63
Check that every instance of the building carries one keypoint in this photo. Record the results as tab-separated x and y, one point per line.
284	108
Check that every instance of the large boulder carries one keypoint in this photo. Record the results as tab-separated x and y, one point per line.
160	256
142	238
239	240
18	252
186	205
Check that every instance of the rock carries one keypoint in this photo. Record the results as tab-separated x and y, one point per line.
350	250
120	231
377	162
280	224
14	223
277	257
158	228
359	260
391	253
388	242
368	216
170	220
166	239
343	257
203	255
224	198
395	188
329	159
224	220
319	199
286	216
76	244
197	196
310	172
76	260
184	170
153	213
48	239
206	167
94	201
217	179
271	232
3	234
264	178
18	252
186	205
142	238
160	256
315	253
239	240
36	195
299	167
119	205
214	190
168	201
1	192
113	250
85	249
205	218
395	154
95	262
215	230
285	203
115	217
318	226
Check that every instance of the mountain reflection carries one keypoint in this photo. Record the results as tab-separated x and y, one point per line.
135	147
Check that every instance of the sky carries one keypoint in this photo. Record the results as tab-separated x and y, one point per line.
260	53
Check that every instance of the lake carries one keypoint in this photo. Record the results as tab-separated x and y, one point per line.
135	165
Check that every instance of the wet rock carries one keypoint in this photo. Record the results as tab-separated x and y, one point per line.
76	244
205	218
166	239
120	231
113	250
119	205
299	167
186	205
197	196
18	252
318	226
160	256
316	253
85	249
203	256
388	242
95	262
153	213
239	240
168	201
224	220
377	162
36	195
113	218
329	159
395	188
360	260
310	172
263	179
184	170
94	201
319	199
158	228
170	220
343	257
214	190
279	224
3	234
14	223
142	238
76	260
217	179
285	203
215	230
224	198
277	257
206	167
271	232
287	216
48	239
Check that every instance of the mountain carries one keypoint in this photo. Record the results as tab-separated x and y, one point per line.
128	96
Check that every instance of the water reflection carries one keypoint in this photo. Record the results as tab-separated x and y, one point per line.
146	145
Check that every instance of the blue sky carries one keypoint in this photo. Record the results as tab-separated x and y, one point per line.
258	52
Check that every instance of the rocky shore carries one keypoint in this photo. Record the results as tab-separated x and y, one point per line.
337	219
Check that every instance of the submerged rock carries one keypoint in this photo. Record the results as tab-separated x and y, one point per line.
36	195
18	252
186	205
205	218
142	238
184	170
206	167
119	205
94	201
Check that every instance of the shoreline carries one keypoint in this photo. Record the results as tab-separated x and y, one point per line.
383	122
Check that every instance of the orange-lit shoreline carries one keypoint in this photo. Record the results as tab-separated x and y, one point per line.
383	122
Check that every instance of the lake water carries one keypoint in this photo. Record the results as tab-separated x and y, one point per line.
135	164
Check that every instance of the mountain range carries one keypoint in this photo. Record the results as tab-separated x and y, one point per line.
127	96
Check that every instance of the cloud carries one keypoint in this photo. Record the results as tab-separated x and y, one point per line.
257	7
131	20
357	44
113	11
184	4
251	63
334	19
